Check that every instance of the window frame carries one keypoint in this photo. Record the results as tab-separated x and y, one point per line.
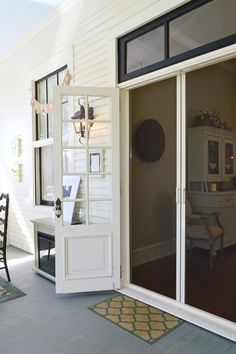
39	144
165	21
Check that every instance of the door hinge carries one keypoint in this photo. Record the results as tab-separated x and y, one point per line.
120	272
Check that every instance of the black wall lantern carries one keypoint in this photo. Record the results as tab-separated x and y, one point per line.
149	140
80	123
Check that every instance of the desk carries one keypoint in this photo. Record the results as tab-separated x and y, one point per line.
44	244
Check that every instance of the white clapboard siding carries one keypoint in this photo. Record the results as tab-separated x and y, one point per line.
89	27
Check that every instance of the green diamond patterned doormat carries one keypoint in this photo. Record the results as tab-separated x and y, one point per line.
8	291
142	320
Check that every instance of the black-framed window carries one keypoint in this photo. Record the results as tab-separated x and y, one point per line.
43	151
193	29
44	95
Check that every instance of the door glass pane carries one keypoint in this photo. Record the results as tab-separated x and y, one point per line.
71	133
74	213
153	188
211	196
100	212
65	108
100	161
145	50
100	134
206	24
99	108
74	161
74	109
74	187
100	186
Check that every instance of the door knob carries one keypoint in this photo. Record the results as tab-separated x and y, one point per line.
58	209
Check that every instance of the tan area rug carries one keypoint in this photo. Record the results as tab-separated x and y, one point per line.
142	320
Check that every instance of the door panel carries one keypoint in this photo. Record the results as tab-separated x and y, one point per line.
88	257
87	183
153	188
211	196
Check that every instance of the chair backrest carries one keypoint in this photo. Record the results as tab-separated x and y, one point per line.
4	208
189	209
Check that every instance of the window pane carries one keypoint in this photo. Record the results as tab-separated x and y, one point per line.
47	178
145	50
41	117
61	76
206	24
52	81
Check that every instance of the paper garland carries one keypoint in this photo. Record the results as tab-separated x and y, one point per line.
48	107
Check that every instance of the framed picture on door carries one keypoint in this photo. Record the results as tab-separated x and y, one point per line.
96	162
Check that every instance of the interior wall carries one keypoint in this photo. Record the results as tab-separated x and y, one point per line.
154	184
219	81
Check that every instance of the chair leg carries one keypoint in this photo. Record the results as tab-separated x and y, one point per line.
211	255
49	249
6	268
191	247
222	246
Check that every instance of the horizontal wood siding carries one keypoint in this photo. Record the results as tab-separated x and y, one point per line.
87	25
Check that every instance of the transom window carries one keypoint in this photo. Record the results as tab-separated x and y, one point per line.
191	30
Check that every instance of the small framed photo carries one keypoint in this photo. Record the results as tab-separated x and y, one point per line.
96	162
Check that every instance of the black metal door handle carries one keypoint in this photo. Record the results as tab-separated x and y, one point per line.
58	209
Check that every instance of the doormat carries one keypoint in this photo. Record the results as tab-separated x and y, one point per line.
142	320
9	291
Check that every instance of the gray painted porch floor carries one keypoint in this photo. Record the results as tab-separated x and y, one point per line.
45	323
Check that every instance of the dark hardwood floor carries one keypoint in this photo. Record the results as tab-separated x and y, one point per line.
211	290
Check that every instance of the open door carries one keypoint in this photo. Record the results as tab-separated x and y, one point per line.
87	189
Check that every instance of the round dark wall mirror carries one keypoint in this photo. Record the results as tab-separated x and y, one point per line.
149	140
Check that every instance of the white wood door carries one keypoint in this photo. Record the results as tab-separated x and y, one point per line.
87	184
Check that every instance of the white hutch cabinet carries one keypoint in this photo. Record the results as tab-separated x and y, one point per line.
210	154
211	162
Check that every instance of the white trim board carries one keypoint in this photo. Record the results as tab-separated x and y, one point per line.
191	314
153	252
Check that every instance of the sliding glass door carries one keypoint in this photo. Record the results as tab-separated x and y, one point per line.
210	230
183	188
153	192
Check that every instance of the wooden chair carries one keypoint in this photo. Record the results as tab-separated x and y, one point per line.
4	207
198	227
